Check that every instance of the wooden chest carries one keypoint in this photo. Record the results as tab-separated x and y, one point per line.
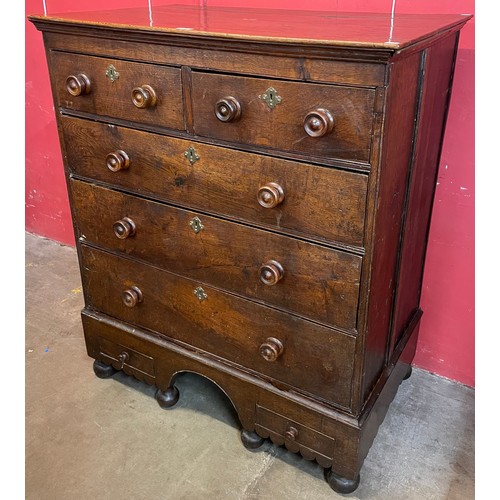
251	201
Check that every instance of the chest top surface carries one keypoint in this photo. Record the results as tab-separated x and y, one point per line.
371	30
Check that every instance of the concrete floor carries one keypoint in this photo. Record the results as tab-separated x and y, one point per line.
89	438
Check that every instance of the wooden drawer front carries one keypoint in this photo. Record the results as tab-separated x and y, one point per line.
297	437
114	98
324	203
122	356
314	358
282	127
318	283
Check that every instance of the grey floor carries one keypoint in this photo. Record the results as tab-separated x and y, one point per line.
89	438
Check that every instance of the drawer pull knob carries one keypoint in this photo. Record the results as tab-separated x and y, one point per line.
228	109
118	160
78	85
132	296
124	228
319	122
271	349
291	433
144	97
123	358
271	272
270	195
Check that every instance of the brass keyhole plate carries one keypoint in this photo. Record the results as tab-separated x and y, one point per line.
192	155
196	224
112	74
271	97
200	294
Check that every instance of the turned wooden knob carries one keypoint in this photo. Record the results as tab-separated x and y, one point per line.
319	122
124	228
291	433
271	272
118	160
271	349
78	84
123	358
270	195
228	109
132	296
144	97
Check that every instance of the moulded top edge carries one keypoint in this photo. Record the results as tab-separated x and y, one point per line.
361	30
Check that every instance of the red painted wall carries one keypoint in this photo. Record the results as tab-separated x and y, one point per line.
446	343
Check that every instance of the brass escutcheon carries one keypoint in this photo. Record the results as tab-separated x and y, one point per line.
112	74
271	97
200	294
192	155
196	224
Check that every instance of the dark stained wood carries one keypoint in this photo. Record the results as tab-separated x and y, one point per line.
202	180
168	398
317	282
435	98
344	29
222	324
399	128
116	98
291	67
242	390
251	440
187	98
223	181
282	127
103	370
294	435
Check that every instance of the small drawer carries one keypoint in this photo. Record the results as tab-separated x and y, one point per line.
123	357
297	437
321	120
143	93
324	203
289	350
309	280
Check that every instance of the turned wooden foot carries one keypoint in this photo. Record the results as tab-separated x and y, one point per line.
167	398
341	484
408	373
102	370
251	440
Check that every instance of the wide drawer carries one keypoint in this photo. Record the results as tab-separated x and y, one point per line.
144	93
322	120
306	279
323	203
312	358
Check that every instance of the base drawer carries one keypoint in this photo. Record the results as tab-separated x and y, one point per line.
297	437
123	355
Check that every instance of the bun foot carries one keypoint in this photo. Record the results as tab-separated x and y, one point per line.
408	373
102	370
341	484
251	440
167	398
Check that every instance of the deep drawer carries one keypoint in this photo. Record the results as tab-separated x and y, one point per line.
143	93
323	203
306	279
322	120
312	358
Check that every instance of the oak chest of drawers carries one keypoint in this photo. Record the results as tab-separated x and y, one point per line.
251	201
